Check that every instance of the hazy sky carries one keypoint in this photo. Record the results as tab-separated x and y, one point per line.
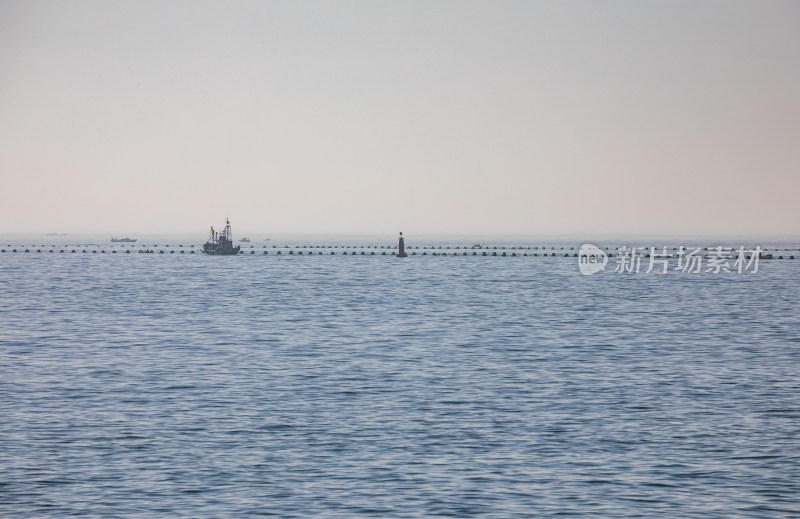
376	116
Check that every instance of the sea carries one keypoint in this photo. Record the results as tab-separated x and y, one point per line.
446	384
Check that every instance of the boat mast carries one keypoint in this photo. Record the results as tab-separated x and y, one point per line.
227	234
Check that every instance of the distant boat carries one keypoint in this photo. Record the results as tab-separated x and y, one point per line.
123	240
245	240
146	251
56	234
221	243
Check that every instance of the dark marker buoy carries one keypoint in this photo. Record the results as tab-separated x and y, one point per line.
401	249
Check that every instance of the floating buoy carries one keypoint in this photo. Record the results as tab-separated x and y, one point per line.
401	249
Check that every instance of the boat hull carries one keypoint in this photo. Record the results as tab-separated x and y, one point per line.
214	249
226	252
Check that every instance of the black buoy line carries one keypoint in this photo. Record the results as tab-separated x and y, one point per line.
399	251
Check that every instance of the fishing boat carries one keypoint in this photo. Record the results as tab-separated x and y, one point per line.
221	243
245	240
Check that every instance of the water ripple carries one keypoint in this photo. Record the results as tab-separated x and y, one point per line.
188	386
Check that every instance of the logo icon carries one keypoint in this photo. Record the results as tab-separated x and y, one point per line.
591	259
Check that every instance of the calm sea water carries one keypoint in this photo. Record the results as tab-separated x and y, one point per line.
368	386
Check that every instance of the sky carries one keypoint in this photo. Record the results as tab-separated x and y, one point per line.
431	117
